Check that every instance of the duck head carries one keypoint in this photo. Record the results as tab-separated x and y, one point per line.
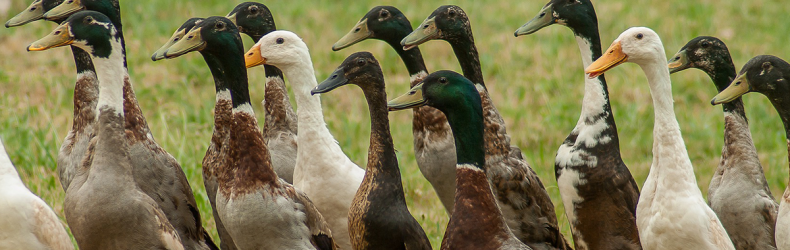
253	19
576	14
704	53
214	35
89	30
361	69
639	45
448	22
177	36
442	90
764	74
110	8
34	12
278	48
385	23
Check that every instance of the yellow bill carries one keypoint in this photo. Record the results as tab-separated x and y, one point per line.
192	42
412	99
359	33
614	56
737	88
33	12
59	37
253	57
64	10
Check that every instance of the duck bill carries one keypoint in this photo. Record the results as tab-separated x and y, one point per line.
337	79
59	37
253	57
737	88
359	33
232	17
160	53
33	12
543	19
192	42
64	10
679	62
412	99
426	32
614	56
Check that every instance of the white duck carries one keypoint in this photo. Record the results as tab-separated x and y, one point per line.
27	221
322	170
671	213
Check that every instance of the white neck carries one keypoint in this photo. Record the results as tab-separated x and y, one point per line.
594	95
111	73
245	108
668	142
311	125
8	174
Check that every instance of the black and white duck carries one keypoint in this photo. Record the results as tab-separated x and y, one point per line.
596	187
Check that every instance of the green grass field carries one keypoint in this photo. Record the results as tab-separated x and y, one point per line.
536	83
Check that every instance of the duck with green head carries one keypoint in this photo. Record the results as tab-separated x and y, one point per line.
738	192
770	76
378	217
433	141
156	172
258	209
280	127
104	206
476	222
597	189
525	203
86	91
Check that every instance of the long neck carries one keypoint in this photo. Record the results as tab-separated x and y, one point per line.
8	174
309	112
381	154
111	73
466	52
782	105
596	93
412	58
466	122
722	75
661	90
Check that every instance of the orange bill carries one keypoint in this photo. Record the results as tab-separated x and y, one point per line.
253	57
614	56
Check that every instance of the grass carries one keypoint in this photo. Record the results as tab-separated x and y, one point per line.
536	82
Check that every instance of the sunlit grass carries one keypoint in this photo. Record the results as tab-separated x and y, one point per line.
536	82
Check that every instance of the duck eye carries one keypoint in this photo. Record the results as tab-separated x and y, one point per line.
88	20
705	44
385	13
361	62
639	36
280	40
253	9
220	25
443	80
451	13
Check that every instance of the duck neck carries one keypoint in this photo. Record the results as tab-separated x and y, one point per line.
381	154
595	104
309	112
8	174
722	74
781	103
411	58
466	122
466	52
111	73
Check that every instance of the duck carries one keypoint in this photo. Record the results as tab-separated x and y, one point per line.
250	196
434	148
104	207
520	194
155	171
767	75
280	127
476	221
671	213
739	192
378	217
323	171
86	92
217	152
27	222
597	189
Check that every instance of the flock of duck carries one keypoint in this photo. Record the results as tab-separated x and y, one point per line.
123	191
